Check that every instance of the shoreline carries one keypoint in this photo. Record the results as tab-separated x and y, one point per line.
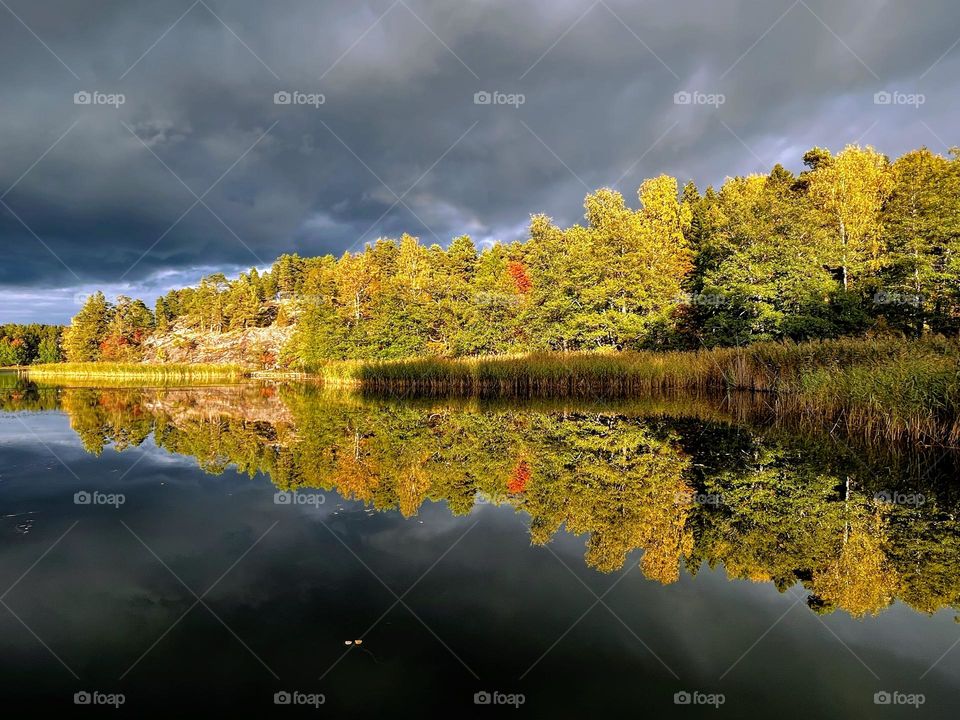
892	389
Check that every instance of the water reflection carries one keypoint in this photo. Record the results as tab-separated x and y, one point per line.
689	481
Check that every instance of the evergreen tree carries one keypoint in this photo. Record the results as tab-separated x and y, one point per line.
48	350
81	341
921	229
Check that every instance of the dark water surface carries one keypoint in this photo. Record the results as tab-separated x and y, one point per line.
584	558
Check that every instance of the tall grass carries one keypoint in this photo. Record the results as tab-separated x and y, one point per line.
892	388
136	372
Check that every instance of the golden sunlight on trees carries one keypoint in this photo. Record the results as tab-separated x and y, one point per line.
860	579
760	504
854	244
413	484
850	190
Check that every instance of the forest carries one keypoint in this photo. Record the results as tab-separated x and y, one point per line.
27	344
854	244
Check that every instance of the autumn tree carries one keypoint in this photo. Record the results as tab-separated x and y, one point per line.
633	262
492	318
129	324
860	578
849	190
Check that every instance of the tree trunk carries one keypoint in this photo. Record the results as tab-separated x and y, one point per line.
843	244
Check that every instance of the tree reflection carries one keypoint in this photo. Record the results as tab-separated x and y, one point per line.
675	480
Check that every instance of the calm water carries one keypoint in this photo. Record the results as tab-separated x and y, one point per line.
211	547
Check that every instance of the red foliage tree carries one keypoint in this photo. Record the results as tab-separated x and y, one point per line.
518	273
113	348
267	359
519	477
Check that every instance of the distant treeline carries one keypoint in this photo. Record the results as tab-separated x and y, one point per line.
854	243
29	344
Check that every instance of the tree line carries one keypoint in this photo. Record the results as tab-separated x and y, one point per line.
854	243
29	344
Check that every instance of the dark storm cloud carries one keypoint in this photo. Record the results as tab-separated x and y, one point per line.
399	119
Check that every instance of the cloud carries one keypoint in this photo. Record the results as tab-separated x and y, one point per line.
114	201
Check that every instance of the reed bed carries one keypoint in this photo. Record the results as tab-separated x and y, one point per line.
891	389
137	373
884	389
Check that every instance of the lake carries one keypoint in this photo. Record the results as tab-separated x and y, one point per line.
263	545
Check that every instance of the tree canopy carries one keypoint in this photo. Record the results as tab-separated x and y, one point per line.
855	243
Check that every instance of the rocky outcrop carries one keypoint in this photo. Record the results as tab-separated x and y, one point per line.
256	348
249	403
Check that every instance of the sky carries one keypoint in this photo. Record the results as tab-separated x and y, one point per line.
146	143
